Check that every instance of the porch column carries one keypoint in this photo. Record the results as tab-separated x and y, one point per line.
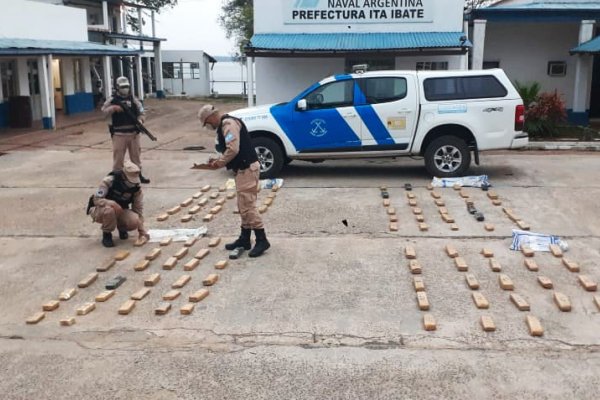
250	66
68	84
158	72
140	77
105	16
46	92
131	74
149	72
107	79
464	59
86	70
583	77
22	78
479	26
52	121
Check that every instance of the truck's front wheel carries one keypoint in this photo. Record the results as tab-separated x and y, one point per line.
447	156
269	155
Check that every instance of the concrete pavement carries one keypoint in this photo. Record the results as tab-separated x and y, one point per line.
328	312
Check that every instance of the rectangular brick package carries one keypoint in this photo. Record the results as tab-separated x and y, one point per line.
162	309
221	264
154	254
545	282
191	264
587	283
86	308
535	327
187	202
410	252
107	265
423	301
105	296
162	217
487	323
187	218
419	284
562	301
67	294
519	302
187	309
127	307
51	305
461	264
191	241
415	267
210	280
121	255
495	265
556	250
531	265
181	282
480	300
69	321
166	242
174	210
214	242
429	322
35	318
140	294
451	251
487	253
423	227
181	253
152	280
88	280
199	296
201	254
472	282
571	265
141	266
506	283
170	263
171	295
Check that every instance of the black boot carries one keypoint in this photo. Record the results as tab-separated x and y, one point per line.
107	239
262	244
143	179
242	241
123	235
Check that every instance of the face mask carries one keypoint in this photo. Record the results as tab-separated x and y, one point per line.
124	91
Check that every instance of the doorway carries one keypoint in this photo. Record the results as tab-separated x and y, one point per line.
57	84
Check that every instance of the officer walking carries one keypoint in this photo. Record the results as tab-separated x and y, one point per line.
238	155
117	192
125	135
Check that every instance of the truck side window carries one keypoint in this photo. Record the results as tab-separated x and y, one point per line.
383	90
465	87
331	95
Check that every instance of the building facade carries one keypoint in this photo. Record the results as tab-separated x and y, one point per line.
298	42
59	58
544	41
187	72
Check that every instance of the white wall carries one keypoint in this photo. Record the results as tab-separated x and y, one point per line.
281	79
192	87
525	49
410	63
229	71
441	16
23	19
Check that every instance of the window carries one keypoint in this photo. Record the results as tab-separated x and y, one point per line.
179	70
491	64
557	68
464	87
375	64
383	90
432	66
7	79
334	94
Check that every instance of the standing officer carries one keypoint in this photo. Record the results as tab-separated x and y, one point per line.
125	135
239	156
118	191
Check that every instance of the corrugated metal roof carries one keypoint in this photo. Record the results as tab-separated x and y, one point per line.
357	41
10	46
590	47
549	5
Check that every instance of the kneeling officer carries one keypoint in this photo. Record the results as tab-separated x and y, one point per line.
110	205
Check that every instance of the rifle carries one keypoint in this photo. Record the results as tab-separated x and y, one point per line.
134	119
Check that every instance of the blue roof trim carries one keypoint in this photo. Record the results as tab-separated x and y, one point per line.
539	11
357	41
589	47
10	46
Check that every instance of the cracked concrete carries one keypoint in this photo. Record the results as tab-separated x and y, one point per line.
328	313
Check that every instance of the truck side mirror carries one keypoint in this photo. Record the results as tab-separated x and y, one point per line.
301	105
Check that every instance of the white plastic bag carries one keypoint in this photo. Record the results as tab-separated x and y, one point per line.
471	181
535	241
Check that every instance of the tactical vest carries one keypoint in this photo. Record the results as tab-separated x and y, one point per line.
246	155
121	122
119	192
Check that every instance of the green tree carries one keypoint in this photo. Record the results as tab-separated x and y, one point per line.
237	18
132	17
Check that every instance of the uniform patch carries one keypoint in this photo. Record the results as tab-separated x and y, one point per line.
229	138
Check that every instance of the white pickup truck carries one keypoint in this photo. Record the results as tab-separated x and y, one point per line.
443	116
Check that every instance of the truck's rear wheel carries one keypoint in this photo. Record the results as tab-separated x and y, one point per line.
447	156
269	155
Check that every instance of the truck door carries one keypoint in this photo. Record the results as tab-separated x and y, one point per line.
388	108
330	122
